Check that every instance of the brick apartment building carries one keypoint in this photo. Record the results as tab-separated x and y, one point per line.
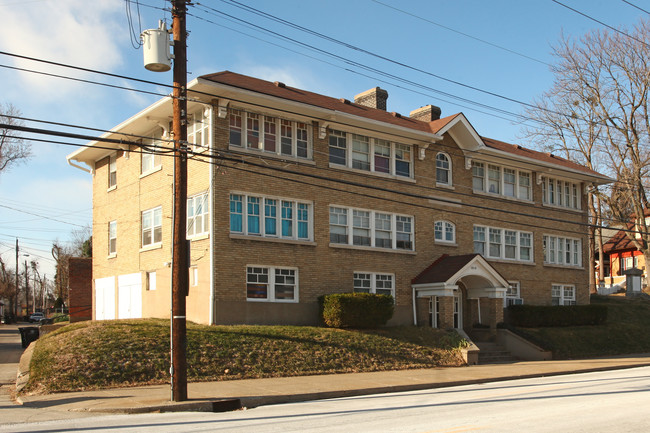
292	195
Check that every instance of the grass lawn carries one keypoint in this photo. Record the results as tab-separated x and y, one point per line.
626	331
93	355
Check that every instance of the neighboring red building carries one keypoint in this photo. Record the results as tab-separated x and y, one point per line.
80	289
621	254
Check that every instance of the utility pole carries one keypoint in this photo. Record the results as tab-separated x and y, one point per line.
179	255
17	291
26	290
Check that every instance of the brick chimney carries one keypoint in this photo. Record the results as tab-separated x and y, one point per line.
373	98
428	113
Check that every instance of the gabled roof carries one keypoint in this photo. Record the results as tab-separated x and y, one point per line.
620	242
443	269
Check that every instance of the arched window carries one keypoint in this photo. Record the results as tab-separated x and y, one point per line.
444	231
443	169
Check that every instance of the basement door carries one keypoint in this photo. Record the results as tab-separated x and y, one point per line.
129	295
105	298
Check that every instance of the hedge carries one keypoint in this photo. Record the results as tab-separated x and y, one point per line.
356	310
535	316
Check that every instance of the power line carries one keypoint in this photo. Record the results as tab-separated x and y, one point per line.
635	6
462	33
602	23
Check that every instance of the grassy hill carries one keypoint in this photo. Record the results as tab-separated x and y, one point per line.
93	355
626	331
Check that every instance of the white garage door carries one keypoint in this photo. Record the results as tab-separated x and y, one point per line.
129	293
105	298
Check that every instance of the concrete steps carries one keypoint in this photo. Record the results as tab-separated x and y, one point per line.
493	353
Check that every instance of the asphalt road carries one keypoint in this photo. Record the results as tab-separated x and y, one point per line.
613	401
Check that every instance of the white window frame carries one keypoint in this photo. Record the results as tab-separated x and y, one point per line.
112	238
441	159
558	248
494	240
561	193
150	280
154	214
482	179
272	282
194	275
298	207
112	172
441	229
349	143
202	218
399	223
513	294
563	294
150	160
373	283
298	130
198	130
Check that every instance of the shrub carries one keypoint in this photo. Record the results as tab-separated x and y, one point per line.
59	317
356	310
535	316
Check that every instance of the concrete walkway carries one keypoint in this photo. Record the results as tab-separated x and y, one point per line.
226	395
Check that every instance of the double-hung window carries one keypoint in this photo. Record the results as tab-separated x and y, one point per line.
369	154
270	217
198	221
152	226
112	238
560	193
198	136
444	231
370	282
513	294
504	181
563	294
112	171
361	227
506	244
150	159
443	169
269	134
562	251
271	284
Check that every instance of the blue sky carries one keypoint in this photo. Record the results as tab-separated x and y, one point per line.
502	47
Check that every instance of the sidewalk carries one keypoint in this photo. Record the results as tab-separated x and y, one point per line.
227	395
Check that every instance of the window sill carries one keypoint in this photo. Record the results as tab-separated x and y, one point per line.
199	237
152	171
263	154
445	243
445	186
569	209
112	188
373	249
111	256
510	262
275	301
570	267
505	197
151	247
275	240
371	173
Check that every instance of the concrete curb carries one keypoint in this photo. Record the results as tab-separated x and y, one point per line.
218	405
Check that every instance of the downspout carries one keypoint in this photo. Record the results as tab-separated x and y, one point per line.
211	234
415	318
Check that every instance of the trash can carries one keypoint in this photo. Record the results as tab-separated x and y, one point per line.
28	334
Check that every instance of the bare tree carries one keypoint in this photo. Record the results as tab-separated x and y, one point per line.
597	111
7	285
13	149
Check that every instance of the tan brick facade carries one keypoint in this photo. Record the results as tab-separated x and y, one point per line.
221	258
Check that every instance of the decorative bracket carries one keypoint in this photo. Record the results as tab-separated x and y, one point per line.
468	163
423	151
222	110
322	130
